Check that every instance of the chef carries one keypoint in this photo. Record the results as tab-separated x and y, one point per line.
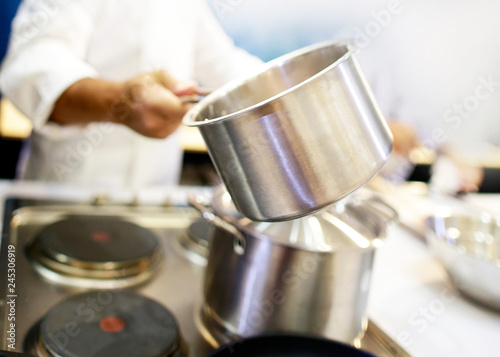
102	81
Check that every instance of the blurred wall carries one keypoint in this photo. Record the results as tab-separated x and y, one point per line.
269	29
432	63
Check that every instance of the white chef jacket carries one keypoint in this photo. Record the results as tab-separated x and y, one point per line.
58	42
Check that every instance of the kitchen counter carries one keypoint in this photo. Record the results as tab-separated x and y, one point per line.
411	299
413	302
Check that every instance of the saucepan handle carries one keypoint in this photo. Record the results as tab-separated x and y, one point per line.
239	242
195	98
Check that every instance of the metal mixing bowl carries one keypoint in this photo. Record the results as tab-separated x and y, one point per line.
468	246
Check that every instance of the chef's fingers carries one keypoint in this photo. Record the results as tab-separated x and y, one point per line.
167	105
472	178
179	88
187	105
405	138
186	88
165	79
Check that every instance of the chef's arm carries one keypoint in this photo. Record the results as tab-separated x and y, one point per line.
450	173
46	76
148	104
88	100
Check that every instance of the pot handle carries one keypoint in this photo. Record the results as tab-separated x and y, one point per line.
239	242
389	213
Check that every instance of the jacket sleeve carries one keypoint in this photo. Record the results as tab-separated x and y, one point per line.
46	55
218	60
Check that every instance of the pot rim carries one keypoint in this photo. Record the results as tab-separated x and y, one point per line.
257	235
374	242
188	119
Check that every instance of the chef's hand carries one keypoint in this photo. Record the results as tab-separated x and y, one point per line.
150	104
452	174
399	166
405	138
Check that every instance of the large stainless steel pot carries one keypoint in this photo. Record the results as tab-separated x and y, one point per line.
309	275
297	136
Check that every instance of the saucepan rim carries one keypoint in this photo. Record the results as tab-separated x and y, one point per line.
188	119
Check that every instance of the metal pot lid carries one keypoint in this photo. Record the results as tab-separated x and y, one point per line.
348	224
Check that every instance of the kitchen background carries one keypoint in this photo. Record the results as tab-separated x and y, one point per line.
10	143
409	282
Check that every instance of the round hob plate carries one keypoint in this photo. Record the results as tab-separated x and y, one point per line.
107	323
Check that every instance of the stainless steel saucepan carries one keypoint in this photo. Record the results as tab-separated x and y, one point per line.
309	275
298	135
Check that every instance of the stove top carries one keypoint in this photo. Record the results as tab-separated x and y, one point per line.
122	280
